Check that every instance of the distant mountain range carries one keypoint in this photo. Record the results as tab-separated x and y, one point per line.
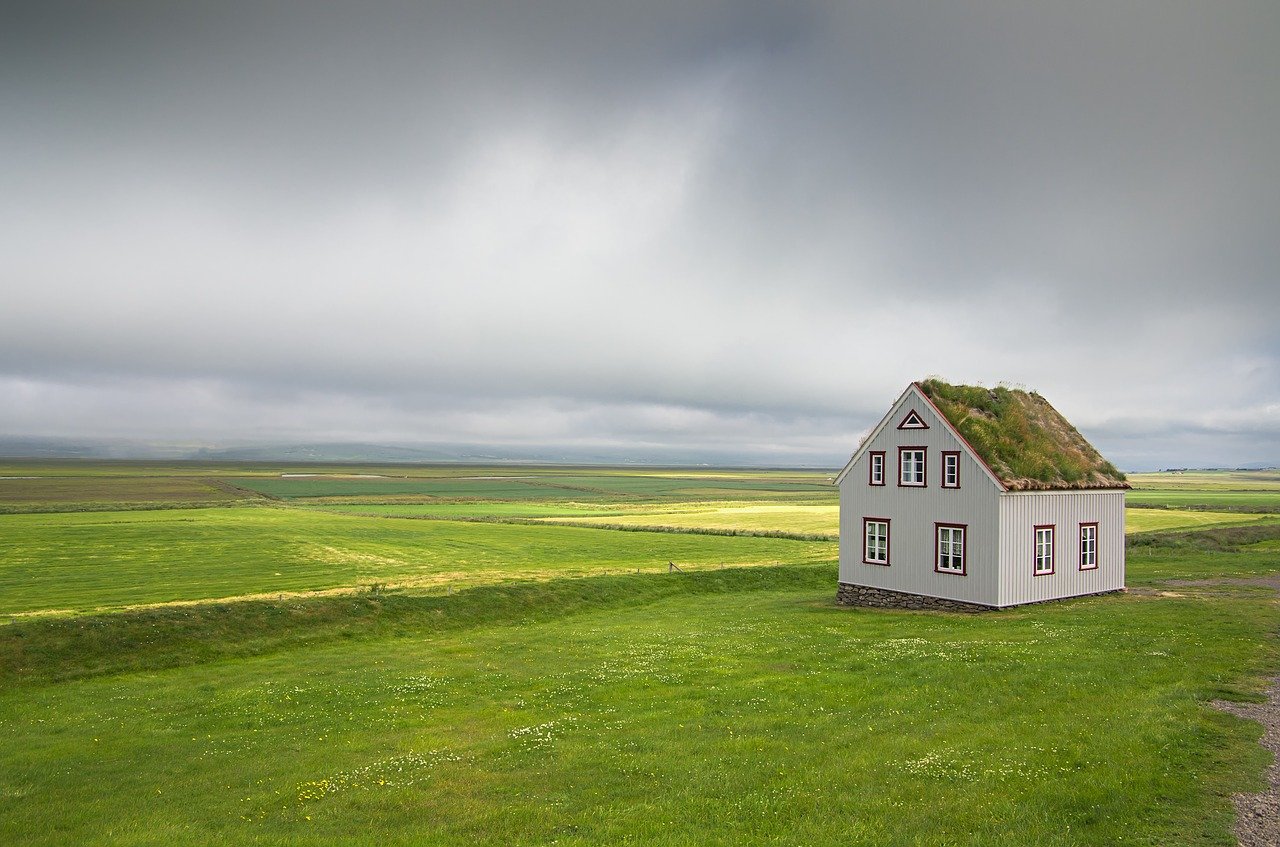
1248	466
67	448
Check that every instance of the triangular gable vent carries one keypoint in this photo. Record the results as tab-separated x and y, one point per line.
913	421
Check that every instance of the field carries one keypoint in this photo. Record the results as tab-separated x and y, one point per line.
323	663
86	561
1238	491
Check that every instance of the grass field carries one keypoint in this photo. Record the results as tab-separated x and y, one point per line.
60	493
1268	480
1239	501
1149	520
446	681
85	561
1241	491
600	485
723	707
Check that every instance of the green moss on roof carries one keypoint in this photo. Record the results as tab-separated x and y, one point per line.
1024	440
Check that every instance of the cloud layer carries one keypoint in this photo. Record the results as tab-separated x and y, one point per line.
674	224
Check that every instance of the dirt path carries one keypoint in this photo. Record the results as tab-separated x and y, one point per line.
1258	815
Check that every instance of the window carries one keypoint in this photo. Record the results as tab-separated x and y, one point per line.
913	421
1088	546
949	548
875	550
877	468
950	468
1044	550
911	466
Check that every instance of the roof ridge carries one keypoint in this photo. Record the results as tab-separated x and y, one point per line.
1026	443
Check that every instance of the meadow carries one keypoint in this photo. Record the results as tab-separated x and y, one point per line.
89	561
1237	491
309	665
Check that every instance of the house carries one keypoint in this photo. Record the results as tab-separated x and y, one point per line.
965	497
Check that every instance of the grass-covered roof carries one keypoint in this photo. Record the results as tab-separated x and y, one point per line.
1024	440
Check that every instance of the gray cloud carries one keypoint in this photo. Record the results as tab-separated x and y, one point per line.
693	224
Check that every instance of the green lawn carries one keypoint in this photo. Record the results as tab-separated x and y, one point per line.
723	707
370	679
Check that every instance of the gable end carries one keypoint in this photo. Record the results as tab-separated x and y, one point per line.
886	423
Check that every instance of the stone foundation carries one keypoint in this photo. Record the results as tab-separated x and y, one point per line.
883	598
864	595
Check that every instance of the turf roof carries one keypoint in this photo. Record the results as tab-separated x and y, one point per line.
1025	441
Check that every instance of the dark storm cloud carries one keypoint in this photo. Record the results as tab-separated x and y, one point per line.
633	223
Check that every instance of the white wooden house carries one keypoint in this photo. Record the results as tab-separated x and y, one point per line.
966	497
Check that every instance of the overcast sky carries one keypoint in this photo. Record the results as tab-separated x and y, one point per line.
627	226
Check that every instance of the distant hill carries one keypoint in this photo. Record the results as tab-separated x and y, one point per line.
324	453
24	447
1250	466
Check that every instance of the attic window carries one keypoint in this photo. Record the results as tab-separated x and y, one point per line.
911	467
913	421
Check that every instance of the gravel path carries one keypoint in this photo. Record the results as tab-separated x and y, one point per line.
1258	815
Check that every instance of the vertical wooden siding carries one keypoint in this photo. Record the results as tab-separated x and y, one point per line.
1021	512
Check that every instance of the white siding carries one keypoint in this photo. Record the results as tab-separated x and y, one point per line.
912	513
1021	512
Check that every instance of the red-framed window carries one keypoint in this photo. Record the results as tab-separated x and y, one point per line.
875	541
1089	546
949	548
1043	565
875	468
912	467
950	468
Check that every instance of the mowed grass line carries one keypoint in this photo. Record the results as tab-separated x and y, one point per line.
80	562
762	715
